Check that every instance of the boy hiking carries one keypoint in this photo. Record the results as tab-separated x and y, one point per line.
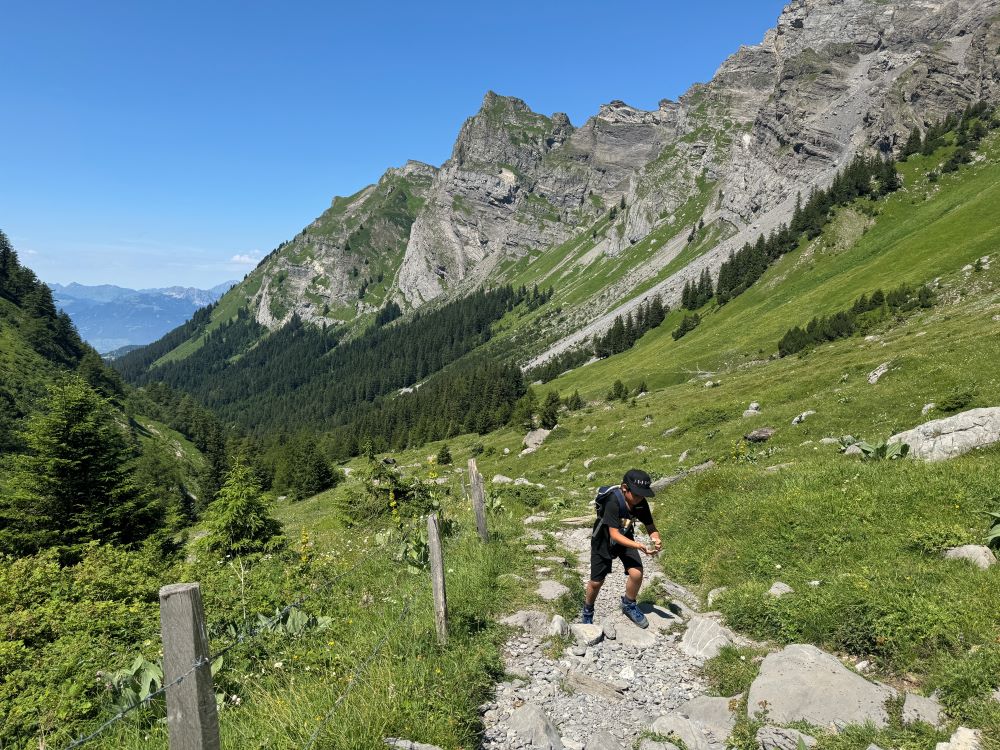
618	508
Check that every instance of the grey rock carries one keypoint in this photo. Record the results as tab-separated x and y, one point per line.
551	590
879	372
609	630
535	548
802	683
779	589
587	635
559	627
501	479
779	738
996	695
531	724
659	618
592	476
530	621
962	739
853	450
693	736
751	413
927	409
918	708
715	715
980	556
803	416
829	441
704	637
628	634
583	683
603	741
534	439
941	439
683	457
648	744
761	435
408	745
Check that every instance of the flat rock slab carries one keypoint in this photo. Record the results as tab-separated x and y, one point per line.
704	637
918	708
583	683
693	736
628	634
534	439
779	589
603	741
980	556
551	590
660	618
530	723
587	635
946	438
761	435
803	683
779	738
715	715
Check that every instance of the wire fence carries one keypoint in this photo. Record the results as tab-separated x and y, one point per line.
241	638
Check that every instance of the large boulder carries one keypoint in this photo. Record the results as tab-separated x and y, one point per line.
802	683
534	439
918	708
603	741
941	439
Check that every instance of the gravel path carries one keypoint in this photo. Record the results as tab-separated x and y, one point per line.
620	686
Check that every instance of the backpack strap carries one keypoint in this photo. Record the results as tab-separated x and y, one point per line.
601	500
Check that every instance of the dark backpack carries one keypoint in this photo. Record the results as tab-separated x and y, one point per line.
604	495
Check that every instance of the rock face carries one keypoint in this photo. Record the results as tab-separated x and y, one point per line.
918	708
534	439
802	683
946	438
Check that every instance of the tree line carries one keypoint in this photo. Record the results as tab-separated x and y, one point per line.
864	311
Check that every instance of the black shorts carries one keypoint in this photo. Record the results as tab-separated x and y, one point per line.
600	565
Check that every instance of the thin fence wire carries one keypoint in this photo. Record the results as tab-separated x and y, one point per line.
355	675
240	639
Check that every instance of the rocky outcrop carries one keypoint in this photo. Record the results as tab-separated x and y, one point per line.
976	554
946	438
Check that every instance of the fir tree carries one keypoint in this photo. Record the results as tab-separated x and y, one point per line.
550	410
76	483
239	519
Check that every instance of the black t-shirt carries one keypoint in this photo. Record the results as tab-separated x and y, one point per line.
617	515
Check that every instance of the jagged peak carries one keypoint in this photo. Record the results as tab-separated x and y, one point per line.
492	100
617	111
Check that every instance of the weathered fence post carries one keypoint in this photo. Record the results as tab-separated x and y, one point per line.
437	579
192	717
478	499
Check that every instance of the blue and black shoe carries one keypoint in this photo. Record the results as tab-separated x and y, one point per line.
587	616
632	612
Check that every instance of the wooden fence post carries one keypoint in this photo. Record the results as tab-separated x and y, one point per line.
437	579
478	499
192	717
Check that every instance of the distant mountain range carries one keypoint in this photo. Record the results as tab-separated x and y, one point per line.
111	317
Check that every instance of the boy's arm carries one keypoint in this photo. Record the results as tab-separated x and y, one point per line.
619	538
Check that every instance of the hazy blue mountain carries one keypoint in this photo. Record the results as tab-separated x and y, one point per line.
111	317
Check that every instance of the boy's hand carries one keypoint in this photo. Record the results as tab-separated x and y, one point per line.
651	550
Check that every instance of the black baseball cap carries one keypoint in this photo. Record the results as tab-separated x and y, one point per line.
638	483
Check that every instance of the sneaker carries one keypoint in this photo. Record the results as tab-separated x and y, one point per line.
632	612
587	617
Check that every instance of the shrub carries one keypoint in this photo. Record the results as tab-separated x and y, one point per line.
956	400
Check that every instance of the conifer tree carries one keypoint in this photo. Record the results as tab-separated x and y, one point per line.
76	483
549	416
239	519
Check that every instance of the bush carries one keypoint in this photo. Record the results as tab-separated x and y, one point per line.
956	400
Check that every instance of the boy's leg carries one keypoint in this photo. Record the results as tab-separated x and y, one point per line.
633	583
599	569
592	590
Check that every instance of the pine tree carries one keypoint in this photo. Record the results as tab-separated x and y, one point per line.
239	519
913	144
76	484
550	410
444	455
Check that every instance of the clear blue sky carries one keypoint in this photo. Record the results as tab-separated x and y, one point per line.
151	144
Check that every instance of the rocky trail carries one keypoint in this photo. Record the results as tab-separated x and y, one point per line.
614	684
